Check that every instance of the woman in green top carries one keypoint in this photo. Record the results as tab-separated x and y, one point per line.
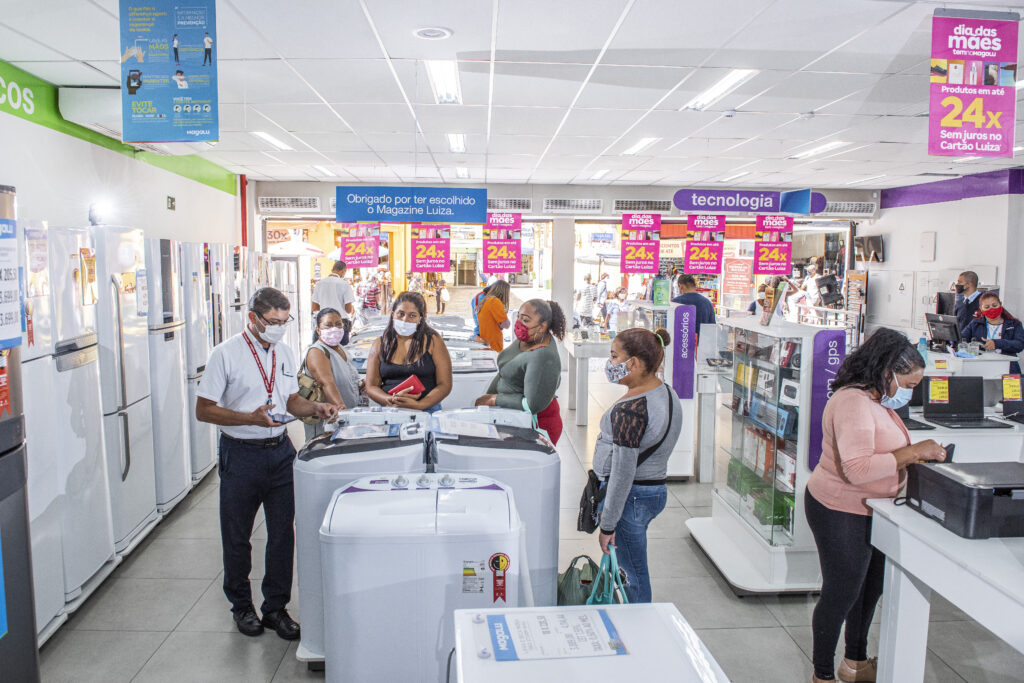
530	370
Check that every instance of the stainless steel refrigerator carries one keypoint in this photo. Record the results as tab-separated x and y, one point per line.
173	466
195	288
122	322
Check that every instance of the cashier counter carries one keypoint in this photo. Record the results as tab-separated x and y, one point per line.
975	445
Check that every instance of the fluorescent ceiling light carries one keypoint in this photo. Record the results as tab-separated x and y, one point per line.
734	176
456	143
444	80
864	180
600	174
963	159
324	170
723	87
820	149
267	137
1020	84
1017	149
639	146
461	172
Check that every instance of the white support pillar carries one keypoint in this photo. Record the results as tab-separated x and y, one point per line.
563	260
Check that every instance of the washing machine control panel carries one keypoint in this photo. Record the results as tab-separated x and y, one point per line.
422	482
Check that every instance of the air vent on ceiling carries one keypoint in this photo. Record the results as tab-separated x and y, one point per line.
850	209
509	204
289	204
643	205
334	205
572	205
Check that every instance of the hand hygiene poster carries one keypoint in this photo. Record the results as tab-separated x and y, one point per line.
973	86
168	71
773	245
431	248
641	238
503	250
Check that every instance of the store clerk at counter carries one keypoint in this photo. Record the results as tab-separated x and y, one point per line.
996	329
249	380
865	450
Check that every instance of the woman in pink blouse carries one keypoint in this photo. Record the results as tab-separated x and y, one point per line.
865	451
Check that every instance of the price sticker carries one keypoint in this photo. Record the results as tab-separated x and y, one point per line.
941	364
1011	388
938	390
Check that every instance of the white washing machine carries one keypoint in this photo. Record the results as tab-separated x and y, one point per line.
366	446
400	554
519	456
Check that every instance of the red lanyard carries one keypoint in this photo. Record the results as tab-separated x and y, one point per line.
268	384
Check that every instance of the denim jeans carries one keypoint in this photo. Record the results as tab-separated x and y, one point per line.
643	504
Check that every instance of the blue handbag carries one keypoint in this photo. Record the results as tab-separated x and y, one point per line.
608	587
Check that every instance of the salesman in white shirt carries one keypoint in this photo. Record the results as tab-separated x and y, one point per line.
335	292
248	384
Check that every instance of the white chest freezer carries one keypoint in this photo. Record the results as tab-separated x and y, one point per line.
650	643
322	466
516	454
401	553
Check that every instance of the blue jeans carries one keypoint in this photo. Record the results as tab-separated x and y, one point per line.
643	504
433	408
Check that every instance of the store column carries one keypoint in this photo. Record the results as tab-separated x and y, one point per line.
563	264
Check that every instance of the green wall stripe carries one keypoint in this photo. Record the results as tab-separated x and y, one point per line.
36	101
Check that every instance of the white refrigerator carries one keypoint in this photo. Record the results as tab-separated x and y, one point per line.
216	273
65	417
173	466
122	323
195	288
238	289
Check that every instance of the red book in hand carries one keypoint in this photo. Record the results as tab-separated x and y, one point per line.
411	382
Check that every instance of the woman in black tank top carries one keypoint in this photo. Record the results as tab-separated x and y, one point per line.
409	347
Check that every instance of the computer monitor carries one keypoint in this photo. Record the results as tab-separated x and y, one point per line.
945	302
943	328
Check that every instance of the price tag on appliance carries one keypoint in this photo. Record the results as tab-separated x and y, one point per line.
938	390
1011	388
941	365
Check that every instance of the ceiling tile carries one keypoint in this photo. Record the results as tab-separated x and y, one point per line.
599	122
528	30
303	118
59	24
628	87
546	85
474	81
353	80
525	120
67	73
377	118
261	81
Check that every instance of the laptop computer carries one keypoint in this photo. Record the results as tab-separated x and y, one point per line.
964	407
910	423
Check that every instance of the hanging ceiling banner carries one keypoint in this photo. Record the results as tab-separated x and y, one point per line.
168	71
973	84
411	204
773	246
360	247
641	238
503	243
431	248
704	244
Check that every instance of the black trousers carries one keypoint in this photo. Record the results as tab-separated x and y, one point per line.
176	56
251	476
852	573
207	56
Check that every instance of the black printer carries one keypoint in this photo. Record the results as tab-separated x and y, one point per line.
973	500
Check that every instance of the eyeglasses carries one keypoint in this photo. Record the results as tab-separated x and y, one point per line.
275	323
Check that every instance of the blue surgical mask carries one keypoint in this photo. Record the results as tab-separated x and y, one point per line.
615	372
899	399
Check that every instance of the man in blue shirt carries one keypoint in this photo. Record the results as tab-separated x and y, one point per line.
967	300
688	294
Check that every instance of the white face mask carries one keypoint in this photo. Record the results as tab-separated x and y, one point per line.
273	333
404	328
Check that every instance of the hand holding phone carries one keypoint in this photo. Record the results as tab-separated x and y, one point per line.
949	452
281	418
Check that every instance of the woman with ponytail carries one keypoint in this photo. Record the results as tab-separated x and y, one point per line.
529	369
865	450
327	363
637	437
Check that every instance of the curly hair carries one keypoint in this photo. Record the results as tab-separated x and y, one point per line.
885	354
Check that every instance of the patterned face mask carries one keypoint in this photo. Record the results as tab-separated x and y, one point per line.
616	373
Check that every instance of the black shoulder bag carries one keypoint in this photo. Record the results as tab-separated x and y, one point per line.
593	494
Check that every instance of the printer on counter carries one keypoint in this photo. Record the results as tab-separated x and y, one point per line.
973	500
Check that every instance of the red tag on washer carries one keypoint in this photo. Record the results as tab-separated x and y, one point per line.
499	564
5	389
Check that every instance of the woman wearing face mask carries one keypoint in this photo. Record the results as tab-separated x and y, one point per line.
996	329
617	303
637	436
529	369
409	347
327	363
864	454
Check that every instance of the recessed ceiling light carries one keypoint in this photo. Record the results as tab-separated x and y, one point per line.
267	137
456	143
600	174
461	172
323	170
723	87
820	149
639	146
432	33
734	176
444	80
864	180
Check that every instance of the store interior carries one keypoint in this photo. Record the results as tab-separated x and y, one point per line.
785	154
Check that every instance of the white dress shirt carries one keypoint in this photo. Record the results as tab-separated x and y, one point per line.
334	292
233	380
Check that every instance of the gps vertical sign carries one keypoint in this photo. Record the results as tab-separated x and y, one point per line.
973	84
641	237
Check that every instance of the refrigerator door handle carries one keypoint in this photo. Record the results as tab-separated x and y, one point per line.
120	338
126	437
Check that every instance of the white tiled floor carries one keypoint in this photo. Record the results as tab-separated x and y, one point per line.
163	617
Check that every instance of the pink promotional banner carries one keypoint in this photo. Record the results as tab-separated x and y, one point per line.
973	96
773	258
774	228
431	248
641	240
703	256
360	252
704	227
503	245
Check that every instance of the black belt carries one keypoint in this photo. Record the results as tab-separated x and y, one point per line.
272	442
649	482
